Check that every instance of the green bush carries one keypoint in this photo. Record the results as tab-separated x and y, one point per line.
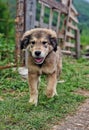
7	48
7	31
4	14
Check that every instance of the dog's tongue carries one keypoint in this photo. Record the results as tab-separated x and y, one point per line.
38	60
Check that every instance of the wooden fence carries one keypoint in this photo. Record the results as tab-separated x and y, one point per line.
59	16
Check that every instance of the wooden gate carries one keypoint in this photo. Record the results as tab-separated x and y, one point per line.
59	16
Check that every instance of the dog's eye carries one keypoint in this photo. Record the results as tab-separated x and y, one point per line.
33	42
44	42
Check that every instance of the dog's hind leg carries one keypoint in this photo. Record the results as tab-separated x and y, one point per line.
33	80
52	83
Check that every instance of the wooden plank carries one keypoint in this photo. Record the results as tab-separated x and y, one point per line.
61	36
68	52
71	35
58	23
44	25
74	18
30	14
72	26
51	18
19	26
65	2
77	35
46	5
56	5
36	23
74	10
42	14
68	17
70	45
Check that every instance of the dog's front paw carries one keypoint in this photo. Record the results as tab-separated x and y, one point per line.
51	93
33	101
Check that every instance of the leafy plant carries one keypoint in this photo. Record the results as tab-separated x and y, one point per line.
7	48
4	15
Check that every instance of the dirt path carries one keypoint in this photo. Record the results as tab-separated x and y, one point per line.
79	121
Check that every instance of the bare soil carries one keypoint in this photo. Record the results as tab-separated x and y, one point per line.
80	120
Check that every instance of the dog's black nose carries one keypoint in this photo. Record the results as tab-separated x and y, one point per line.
37	53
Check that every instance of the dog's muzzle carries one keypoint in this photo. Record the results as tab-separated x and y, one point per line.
38	58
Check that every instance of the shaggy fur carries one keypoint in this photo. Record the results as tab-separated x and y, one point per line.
44	57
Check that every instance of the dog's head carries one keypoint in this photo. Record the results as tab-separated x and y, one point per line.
39	42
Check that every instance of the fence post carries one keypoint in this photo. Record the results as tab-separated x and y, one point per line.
51	18
19	22
30	14
68	2
42	14
77	44
58	22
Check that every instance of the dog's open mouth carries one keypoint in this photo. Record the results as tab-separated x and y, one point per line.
39	60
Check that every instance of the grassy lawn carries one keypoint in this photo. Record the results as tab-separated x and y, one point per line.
17	114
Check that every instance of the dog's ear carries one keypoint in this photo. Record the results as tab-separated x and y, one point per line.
54	42
24	42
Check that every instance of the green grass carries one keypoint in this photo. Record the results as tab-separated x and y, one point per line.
84	37
17	114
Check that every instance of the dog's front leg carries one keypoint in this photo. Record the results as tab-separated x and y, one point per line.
33	80
52	82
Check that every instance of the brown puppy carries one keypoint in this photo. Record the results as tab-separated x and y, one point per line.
44	57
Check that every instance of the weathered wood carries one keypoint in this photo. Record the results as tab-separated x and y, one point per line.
42	14
19	28
71	35
70	45
30	14
61	36
44	25
65	2
71	17
74	27
74	10
77	44
56	5
68	52
58	23
74	18
67	21
51	18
